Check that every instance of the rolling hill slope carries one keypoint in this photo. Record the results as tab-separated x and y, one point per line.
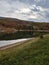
11	28
9	25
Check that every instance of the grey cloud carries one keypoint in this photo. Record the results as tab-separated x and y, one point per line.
22	9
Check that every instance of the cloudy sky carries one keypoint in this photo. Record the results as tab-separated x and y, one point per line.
33	10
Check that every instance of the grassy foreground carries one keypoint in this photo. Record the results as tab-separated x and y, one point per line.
30	53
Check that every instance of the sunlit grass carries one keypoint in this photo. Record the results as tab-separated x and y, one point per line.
34	53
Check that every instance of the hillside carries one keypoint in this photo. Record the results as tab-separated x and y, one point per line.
12	28
10	25
33	52
7	24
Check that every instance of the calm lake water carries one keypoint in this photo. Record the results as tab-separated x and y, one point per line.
8	42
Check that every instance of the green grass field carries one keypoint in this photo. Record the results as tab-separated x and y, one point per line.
30	53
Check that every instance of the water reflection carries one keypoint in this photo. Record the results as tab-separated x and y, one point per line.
7	42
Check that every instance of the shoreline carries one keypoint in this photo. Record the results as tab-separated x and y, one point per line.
20	43
14	44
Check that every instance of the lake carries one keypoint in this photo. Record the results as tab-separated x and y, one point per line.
8	42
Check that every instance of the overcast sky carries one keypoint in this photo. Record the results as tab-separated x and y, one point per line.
34	10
